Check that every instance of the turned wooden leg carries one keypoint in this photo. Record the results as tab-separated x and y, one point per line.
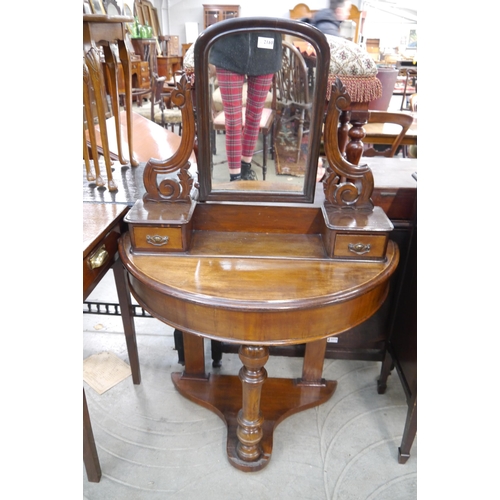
343	130
216	353
354	149
250	420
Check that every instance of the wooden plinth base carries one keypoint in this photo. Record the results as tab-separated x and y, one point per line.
280	398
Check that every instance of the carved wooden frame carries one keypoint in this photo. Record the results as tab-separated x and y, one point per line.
204	42
346	185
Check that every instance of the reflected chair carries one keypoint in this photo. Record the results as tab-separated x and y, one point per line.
266	127
382	122
293	102
158	112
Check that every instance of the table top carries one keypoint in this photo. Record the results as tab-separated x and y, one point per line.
150	141
242	295
98	219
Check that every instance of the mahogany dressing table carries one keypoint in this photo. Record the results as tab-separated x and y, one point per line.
256	263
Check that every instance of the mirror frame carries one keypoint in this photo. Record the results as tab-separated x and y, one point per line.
203	113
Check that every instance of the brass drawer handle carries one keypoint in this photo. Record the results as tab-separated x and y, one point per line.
157	240
98	258
359	248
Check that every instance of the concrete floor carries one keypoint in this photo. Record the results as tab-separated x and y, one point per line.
155	444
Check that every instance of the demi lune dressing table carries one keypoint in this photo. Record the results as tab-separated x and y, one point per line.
254	267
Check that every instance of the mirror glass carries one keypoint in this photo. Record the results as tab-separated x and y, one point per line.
260	97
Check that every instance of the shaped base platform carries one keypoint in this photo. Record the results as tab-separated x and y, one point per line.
280	398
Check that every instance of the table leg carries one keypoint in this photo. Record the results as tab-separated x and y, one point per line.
409	432
252	376
125	302
90	457
250	408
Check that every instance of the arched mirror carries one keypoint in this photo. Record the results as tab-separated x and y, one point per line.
286	79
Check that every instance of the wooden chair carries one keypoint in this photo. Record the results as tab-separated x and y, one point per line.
293	102
158	112
385	117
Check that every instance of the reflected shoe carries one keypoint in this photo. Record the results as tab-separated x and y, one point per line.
247	174
235	177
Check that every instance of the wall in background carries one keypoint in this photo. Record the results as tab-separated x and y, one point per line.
390	29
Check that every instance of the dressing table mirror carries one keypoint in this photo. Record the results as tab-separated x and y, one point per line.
257	263
295	107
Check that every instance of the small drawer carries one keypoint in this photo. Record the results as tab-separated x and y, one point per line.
99	260
157	238
360	246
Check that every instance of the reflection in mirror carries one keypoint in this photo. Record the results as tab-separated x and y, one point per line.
260	90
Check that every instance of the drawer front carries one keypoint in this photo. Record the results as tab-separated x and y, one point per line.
356	246
158	238
98	262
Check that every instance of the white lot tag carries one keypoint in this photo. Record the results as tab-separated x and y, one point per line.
265	43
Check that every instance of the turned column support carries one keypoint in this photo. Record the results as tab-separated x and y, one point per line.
354	148
250	419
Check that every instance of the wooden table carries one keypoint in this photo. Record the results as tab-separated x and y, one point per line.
102	226
258	276
150	139
103	31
